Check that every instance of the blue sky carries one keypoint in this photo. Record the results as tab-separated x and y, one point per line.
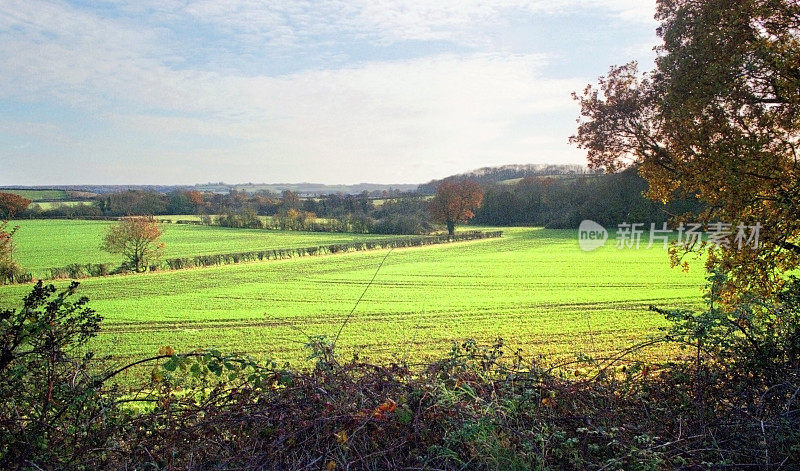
401	91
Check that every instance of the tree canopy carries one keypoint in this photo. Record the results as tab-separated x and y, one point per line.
718	118
12	204
137	239
455	202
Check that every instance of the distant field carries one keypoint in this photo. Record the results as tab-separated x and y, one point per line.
180	217
514	181
267	220
46	205
533	287
510	181
39	195
41	244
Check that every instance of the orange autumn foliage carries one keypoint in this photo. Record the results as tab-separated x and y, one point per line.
455	202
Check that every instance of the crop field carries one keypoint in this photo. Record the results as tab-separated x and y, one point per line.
267	220
534	288
39	195
41	244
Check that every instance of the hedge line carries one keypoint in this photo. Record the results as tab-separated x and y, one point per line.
89	270
190	222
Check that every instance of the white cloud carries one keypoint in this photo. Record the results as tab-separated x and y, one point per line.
448	107
471	21
291	24
392	120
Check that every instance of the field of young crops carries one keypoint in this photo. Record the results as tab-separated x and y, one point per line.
40	244
533	287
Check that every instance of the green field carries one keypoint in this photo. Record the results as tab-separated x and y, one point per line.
39	195
533	287
41	244
48	205
180	217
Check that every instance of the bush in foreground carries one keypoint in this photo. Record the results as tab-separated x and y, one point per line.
731	403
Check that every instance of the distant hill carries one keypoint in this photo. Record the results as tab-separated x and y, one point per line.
509	174
85	191
61	192
484	176
309	189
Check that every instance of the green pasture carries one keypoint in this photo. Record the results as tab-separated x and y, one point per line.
179	217
48	205
535	288
41	244
38	195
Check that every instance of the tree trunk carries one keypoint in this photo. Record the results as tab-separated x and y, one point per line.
451	227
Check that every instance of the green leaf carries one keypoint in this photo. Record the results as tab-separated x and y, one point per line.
171	364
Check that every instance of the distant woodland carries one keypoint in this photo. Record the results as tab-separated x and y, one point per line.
528	195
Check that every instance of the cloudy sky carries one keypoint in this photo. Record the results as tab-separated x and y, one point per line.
336	91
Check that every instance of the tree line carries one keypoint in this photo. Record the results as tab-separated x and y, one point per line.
404	214
564	202
552	201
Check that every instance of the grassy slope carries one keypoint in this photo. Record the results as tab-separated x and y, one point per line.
38	195
43	244
534	288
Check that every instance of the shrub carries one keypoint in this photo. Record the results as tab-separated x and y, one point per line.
99	269
10	271
402	224
76	271
52	411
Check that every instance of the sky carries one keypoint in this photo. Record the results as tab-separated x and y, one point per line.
381	91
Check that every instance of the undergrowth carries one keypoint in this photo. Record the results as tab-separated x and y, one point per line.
730	403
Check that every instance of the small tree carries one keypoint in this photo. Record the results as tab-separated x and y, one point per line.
136	238
455	202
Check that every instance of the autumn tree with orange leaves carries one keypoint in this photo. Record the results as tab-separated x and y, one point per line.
455	202
12	204
138	239
718	118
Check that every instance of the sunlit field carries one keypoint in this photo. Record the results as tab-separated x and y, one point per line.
534	288
41	244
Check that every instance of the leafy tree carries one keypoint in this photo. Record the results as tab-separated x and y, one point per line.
180	202
244	218
289	200
195	197
719	118
455	202
12	204
138	239
134	203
